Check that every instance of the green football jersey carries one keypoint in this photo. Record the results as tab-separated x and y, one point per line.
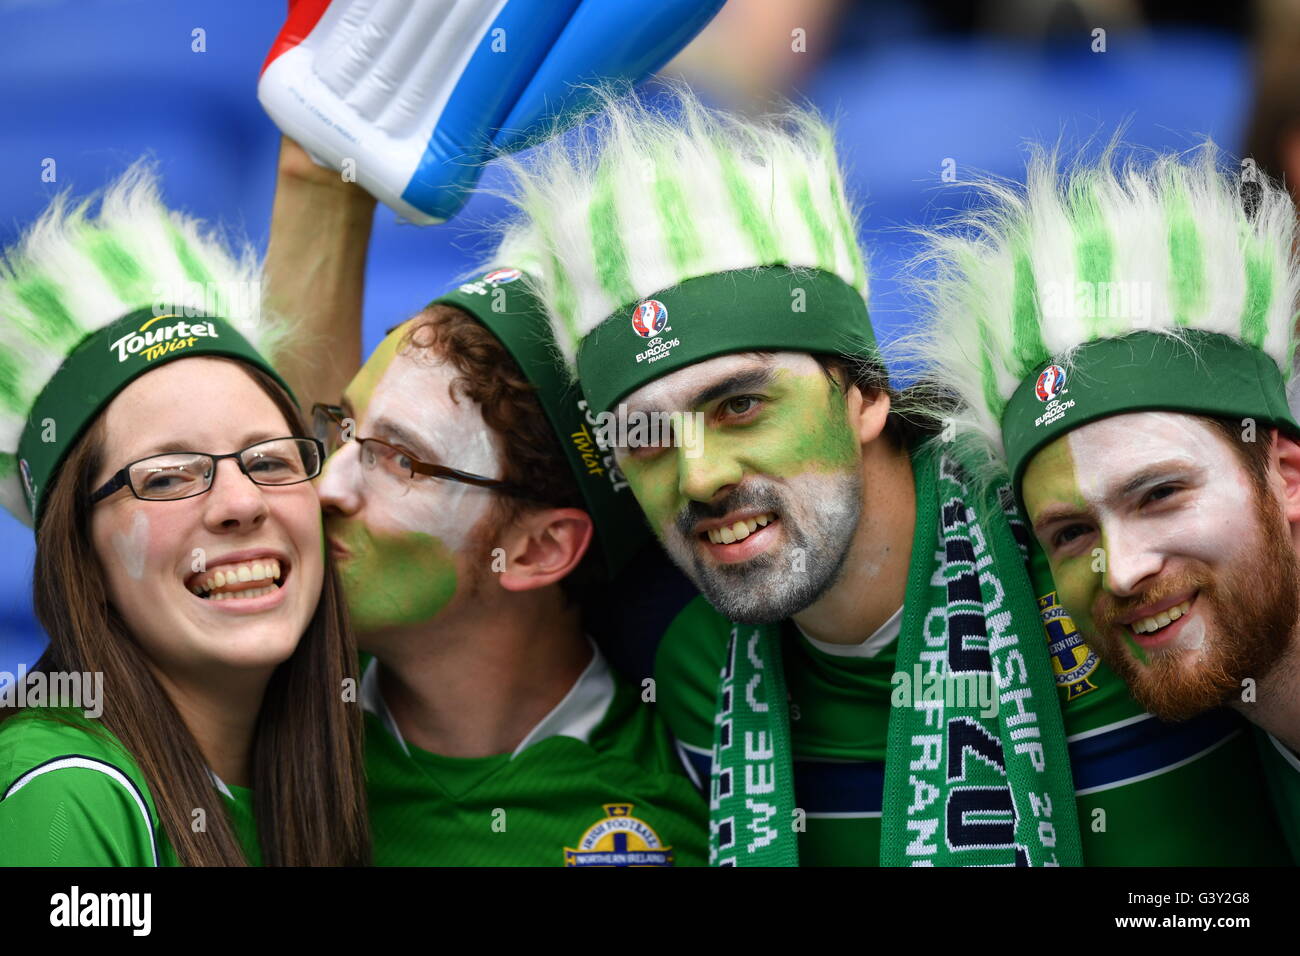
596	783
71	795
1134	776
1282	768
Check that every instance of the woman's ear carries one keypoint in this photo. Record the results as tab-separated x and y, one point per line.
543	547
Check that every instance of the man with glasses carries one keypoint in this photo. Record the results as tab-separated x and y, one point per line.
461	490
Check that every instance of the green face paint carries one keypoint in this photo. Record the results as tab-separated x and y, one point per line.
1136	648
362	387
1050	479
406	538
778	454
798	427
1186	529
393	579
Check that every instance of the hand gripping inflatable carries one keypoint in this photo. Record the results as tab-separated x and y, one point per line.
418	93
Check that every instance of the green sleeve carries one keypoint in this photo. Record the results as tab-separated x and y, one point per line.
75	816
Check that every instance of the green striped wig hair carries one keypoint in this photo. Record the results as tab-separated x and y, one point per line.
1155	282
74	291
669	233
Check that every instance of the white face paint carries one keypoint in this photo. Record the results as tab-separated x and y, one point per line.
1123	461
146	548
1159	494
1208	491
1193	635
774	486
411	405
1167	557
132	548
415	397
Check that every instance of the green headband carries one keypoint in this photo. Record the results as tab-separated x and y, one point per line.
103	364
511	313
1198	373
773	308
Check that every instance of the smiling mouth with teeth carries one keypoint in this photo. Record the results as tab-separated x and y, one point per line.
239	580
1149	625
740	530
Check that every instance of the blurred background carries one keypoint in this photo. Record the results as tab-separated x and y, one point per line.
925	94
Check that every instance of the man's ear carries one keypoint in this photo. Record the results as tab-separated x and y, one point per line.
1286	469
542	547
867	411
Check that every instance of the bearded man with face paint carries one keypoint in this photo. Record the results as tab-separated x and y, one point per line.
460	496
1120	336
866	678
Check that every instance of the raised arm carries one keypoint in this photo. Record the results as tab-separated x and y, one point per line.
416	98
315	273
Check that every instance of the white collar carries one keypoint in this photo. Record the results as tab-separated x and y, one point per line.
877	642
220	785
1287	754
577	715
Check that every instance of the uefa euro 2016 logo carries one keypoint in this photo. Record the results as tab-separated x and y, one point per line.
649	318
502	276
1050	383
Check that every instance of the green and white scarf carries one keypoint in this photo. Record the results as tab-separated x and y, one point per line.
961	788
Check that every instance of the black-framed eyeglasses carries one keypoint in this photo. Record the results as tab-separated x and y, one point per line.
329	422
184	474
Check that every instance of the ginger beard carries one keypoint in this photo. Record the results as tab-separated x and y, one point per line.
791	460
1248	611
1218	536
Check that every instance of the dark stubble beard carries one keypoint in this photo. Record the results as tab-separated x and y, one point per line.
819	516
1250	612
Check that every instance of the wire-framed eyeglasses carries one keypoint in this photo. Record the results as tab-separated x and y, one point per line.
184	474
330	422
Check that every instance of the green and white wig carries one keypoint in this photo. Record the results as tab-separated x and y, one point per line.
90	299
1157	282
669	233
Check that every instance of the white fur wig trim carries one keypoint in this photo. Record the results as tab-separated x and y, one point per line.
645	198
1160	243
73	272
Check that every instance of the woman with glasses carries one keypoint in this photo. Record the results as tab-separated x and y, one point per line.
199	659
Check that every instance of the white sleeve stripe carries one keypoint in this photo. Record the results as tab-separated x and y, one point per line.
89	763
702	751
686	762
1285	752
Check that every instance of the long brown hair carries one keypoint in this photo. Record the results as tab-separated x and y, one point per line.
307	763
